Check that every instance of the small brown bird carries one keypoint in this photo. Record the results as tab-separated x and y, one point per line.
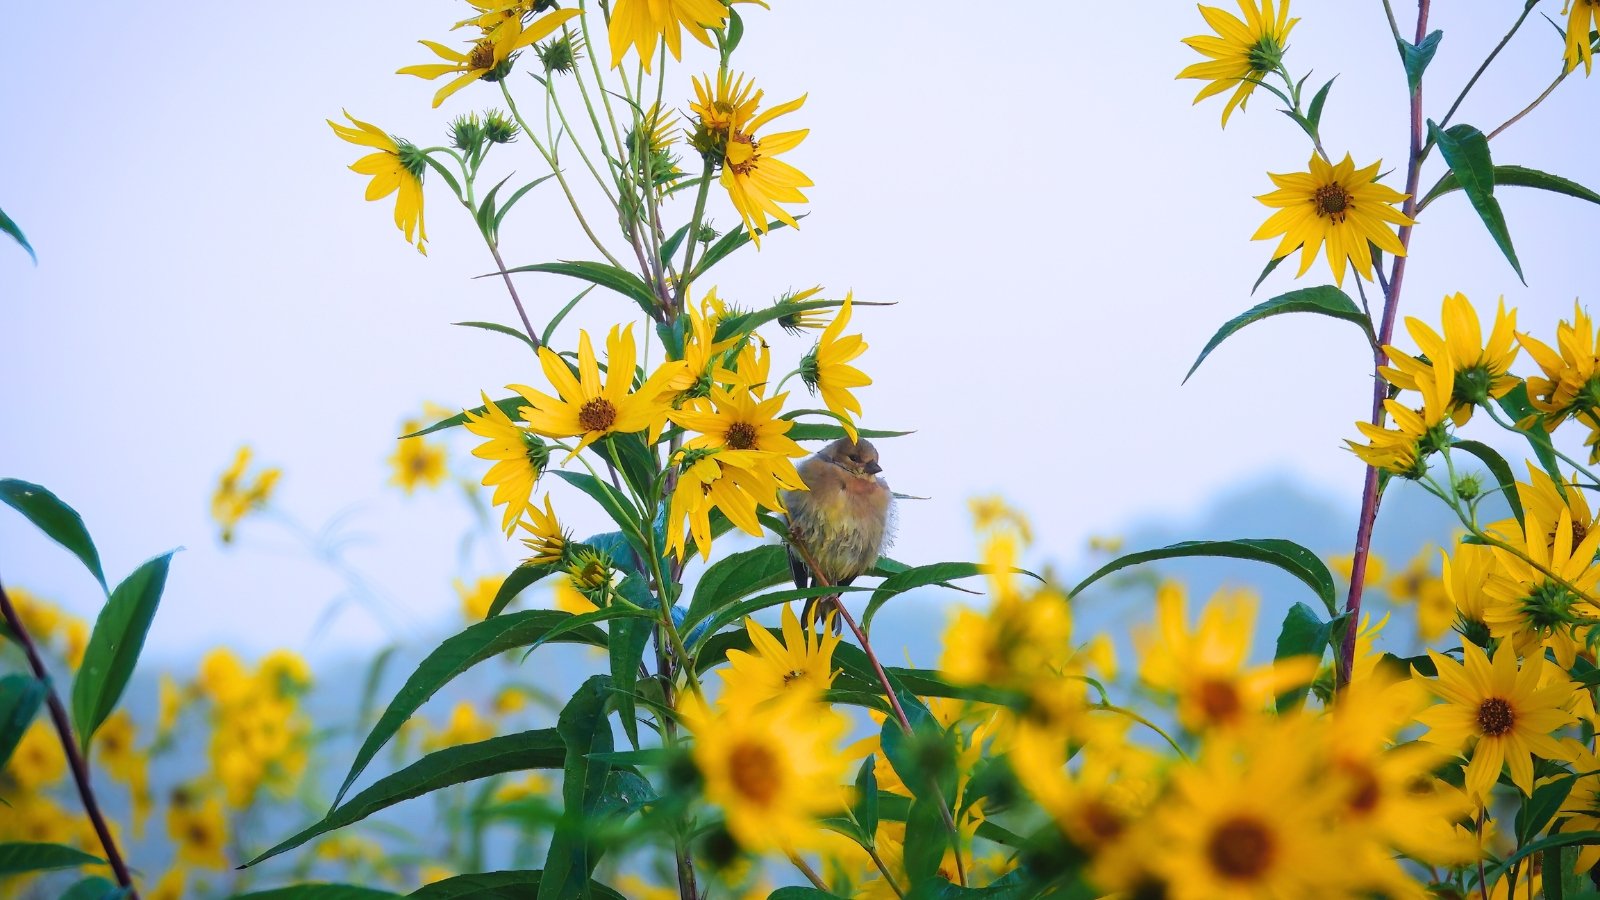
843	520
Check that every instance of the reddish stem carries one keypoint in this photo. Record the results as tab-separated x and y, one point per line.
75	760
1380	390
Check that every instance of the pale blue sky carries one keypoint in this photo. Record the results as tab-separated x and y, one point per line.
1062	230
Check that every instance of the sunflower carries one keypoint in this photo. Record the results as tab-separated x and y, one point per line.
520	458
801	663
733	481
1580	15
1500	711
642	24
1205	667
1404	450
586	408
1571	382
397	166
826	370
798	322
1482	371
1252	817
199	831
1241	52
737	420
1465	576
756	180
490	57
497	18
1339	204
1581	809
548	540
773	769
1542	592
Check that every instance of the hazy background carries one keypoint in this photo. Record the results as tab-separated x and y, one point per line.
1061	230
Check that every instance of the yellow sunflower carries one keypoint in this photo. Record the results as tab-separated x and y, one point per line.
1206	667
1582	17
802	663
397	166
826	370
586	408
642	24
1338	204
756	180
1465	577
1497	714
1571	382
548	540
733	481
1527	605
520	458
1241	52
1482	371
490	57
200	831
737	420
1403	450
773	769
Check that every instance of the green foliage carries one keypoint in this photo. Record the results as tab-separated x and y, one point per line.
1303	634
20	699
1416	57
56	519
1286	555
1467	151
25	857
10	227
1326	300
1517	176
114	646
602	274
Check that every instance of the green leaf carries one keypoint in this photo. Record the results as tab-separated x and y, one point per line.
1314	112
95	888
824	431
511	201
550	329
538	749
22	857
940	574
619	508
10	227
517	333
802	893
1416	57
1499	468
20	697
1467	151
1286	555
1518	176
1325	300
1539	809
1271	264
866	806
520	579
669	247
1564	839
60	522
735	576
926	840
114	645
509	406
725	245
724	617
1303	634
735	32
738	326
509	885
1516	405
457	654
630	456
603	274
584	729
485	213
628	640
317	892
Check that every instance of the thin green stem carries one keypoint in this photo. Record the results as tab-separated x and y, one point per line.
1495	416
692	238
561	116
1527	9
1531	106
560	178
888	877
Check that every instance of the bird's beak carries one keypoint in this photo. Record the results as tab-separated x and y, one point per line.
872	468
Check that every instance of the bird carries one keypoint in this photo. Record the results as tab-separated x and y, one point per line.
841	520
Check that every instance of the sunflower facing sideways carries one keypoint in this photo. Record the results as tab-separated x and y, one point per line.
1241	52
396	166
489	58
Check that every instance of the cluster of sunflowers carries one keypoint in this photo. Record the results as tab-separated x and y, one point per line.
1021	765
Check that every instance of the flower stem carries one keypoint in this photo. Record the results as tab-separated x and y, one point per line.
526	324
69	744
693	237
810	873
1531	106
1391	304
1526	10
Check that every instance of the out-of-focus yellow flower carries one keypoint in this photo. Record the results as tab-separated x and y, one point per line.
1417	584
1206	668
41	618
396	166
285	672
1105	544
773	770
77	634
1497	714
547	540
466	726
416	461
37	762
114	746
476	599
170	887
170	705
489	58
236	497
1241	52
199	830
1582	17
802	663
222	676
432	873
1337	204
520	458
826	370
1344	564
1571	382
531	784
37	819
509	700
642	24
991	513
1019	640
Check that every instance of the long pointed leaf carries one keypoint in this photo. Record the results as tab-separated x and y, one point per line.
1467	151
11	228
114	645
1286	555
60	522
26	857
604	274
20	697
1326	300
